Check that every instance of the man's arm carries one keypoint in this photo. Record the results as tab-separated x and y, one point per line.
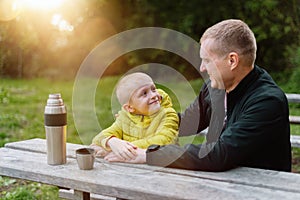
241	143
194	119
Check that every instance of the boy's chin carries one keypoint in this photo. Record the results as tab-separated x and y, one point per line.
154	110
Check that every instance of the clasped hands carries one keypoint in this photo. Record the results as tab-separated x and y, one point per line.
121	151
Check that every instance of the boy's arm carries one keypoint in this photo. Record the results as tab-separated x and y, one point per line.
113	131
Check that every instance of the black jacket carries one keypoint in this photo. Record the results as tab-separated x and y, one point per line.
256	134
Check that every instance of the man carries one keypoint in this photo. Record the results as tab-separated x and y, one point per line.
246	111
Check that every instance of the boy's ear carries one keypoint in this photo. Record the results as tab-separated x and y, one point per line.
128	108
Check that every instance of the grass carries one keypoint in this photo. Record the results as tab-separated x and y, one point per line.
13	189
21	117
23	101
22	108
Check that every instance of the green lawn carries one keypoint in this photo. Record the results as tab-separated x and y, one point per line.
23	101
22	109
21	117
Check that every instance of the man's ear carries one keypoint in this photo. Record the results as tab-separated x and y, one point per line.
128	108
233	60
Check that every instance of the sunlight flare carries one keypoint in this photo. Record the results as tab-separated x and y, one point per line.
60	23
9	9
41	4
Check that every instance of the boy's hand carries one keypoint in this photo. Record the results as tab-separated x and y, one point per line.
99	151
140	158
121	148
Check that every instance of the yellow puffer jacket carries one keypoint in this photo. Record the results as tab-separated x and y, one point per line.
160	128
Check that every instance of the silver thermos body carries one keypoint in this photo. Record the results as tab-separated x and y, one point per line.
55	117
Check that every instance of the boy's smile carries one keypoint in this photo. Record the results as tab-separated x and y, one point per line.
145	100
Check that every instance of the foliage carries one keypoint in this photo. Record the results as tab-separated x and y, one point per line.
294	81
276	32
30	47
25	190
275	23
296	159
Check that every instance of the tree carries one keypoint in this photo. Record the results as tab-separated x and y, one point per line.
275	24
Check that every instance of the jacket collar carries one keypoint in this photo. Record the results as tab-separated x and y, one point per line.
243	86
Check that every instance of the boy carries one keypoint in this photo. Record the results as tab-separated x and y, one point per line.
146	118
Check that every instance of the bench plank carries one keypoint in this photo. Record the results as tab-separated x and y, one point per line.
295	140
293	98
294	119
131	183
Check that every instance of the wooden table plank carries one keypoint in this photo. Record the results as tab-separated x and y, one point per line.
126	182
39	145
244	176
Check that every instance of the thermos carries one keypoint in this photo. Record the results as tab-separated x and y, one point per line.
55	117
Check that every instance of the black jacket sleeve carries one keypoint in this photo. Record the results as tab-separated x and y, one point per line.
256	139
192	157
196	117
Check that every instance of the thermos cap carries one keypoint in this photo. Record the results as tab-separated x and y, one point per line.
55	104
55	100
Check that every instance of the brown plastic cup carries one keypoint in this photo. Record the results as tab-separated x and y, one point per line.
85	158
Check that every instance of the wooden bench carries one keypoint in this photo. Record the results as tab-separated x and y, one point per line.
294	98
27	160
295	139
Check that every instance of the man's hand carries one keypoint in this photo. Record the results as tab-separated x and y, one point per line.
139	158
121	148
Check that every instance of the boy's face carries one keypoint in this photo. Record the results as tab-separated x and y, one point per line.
145	100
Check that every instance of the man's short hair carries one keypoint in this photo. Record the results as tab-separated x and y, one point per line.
232	35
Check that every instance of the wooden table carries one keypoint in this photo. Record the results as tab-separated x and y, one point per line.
27	160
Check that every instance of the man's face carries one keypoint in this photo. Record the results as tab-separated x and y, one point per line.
145	100
214	65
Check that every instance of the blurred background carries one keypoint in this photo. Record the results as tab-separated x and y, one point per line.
41	38
44	42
